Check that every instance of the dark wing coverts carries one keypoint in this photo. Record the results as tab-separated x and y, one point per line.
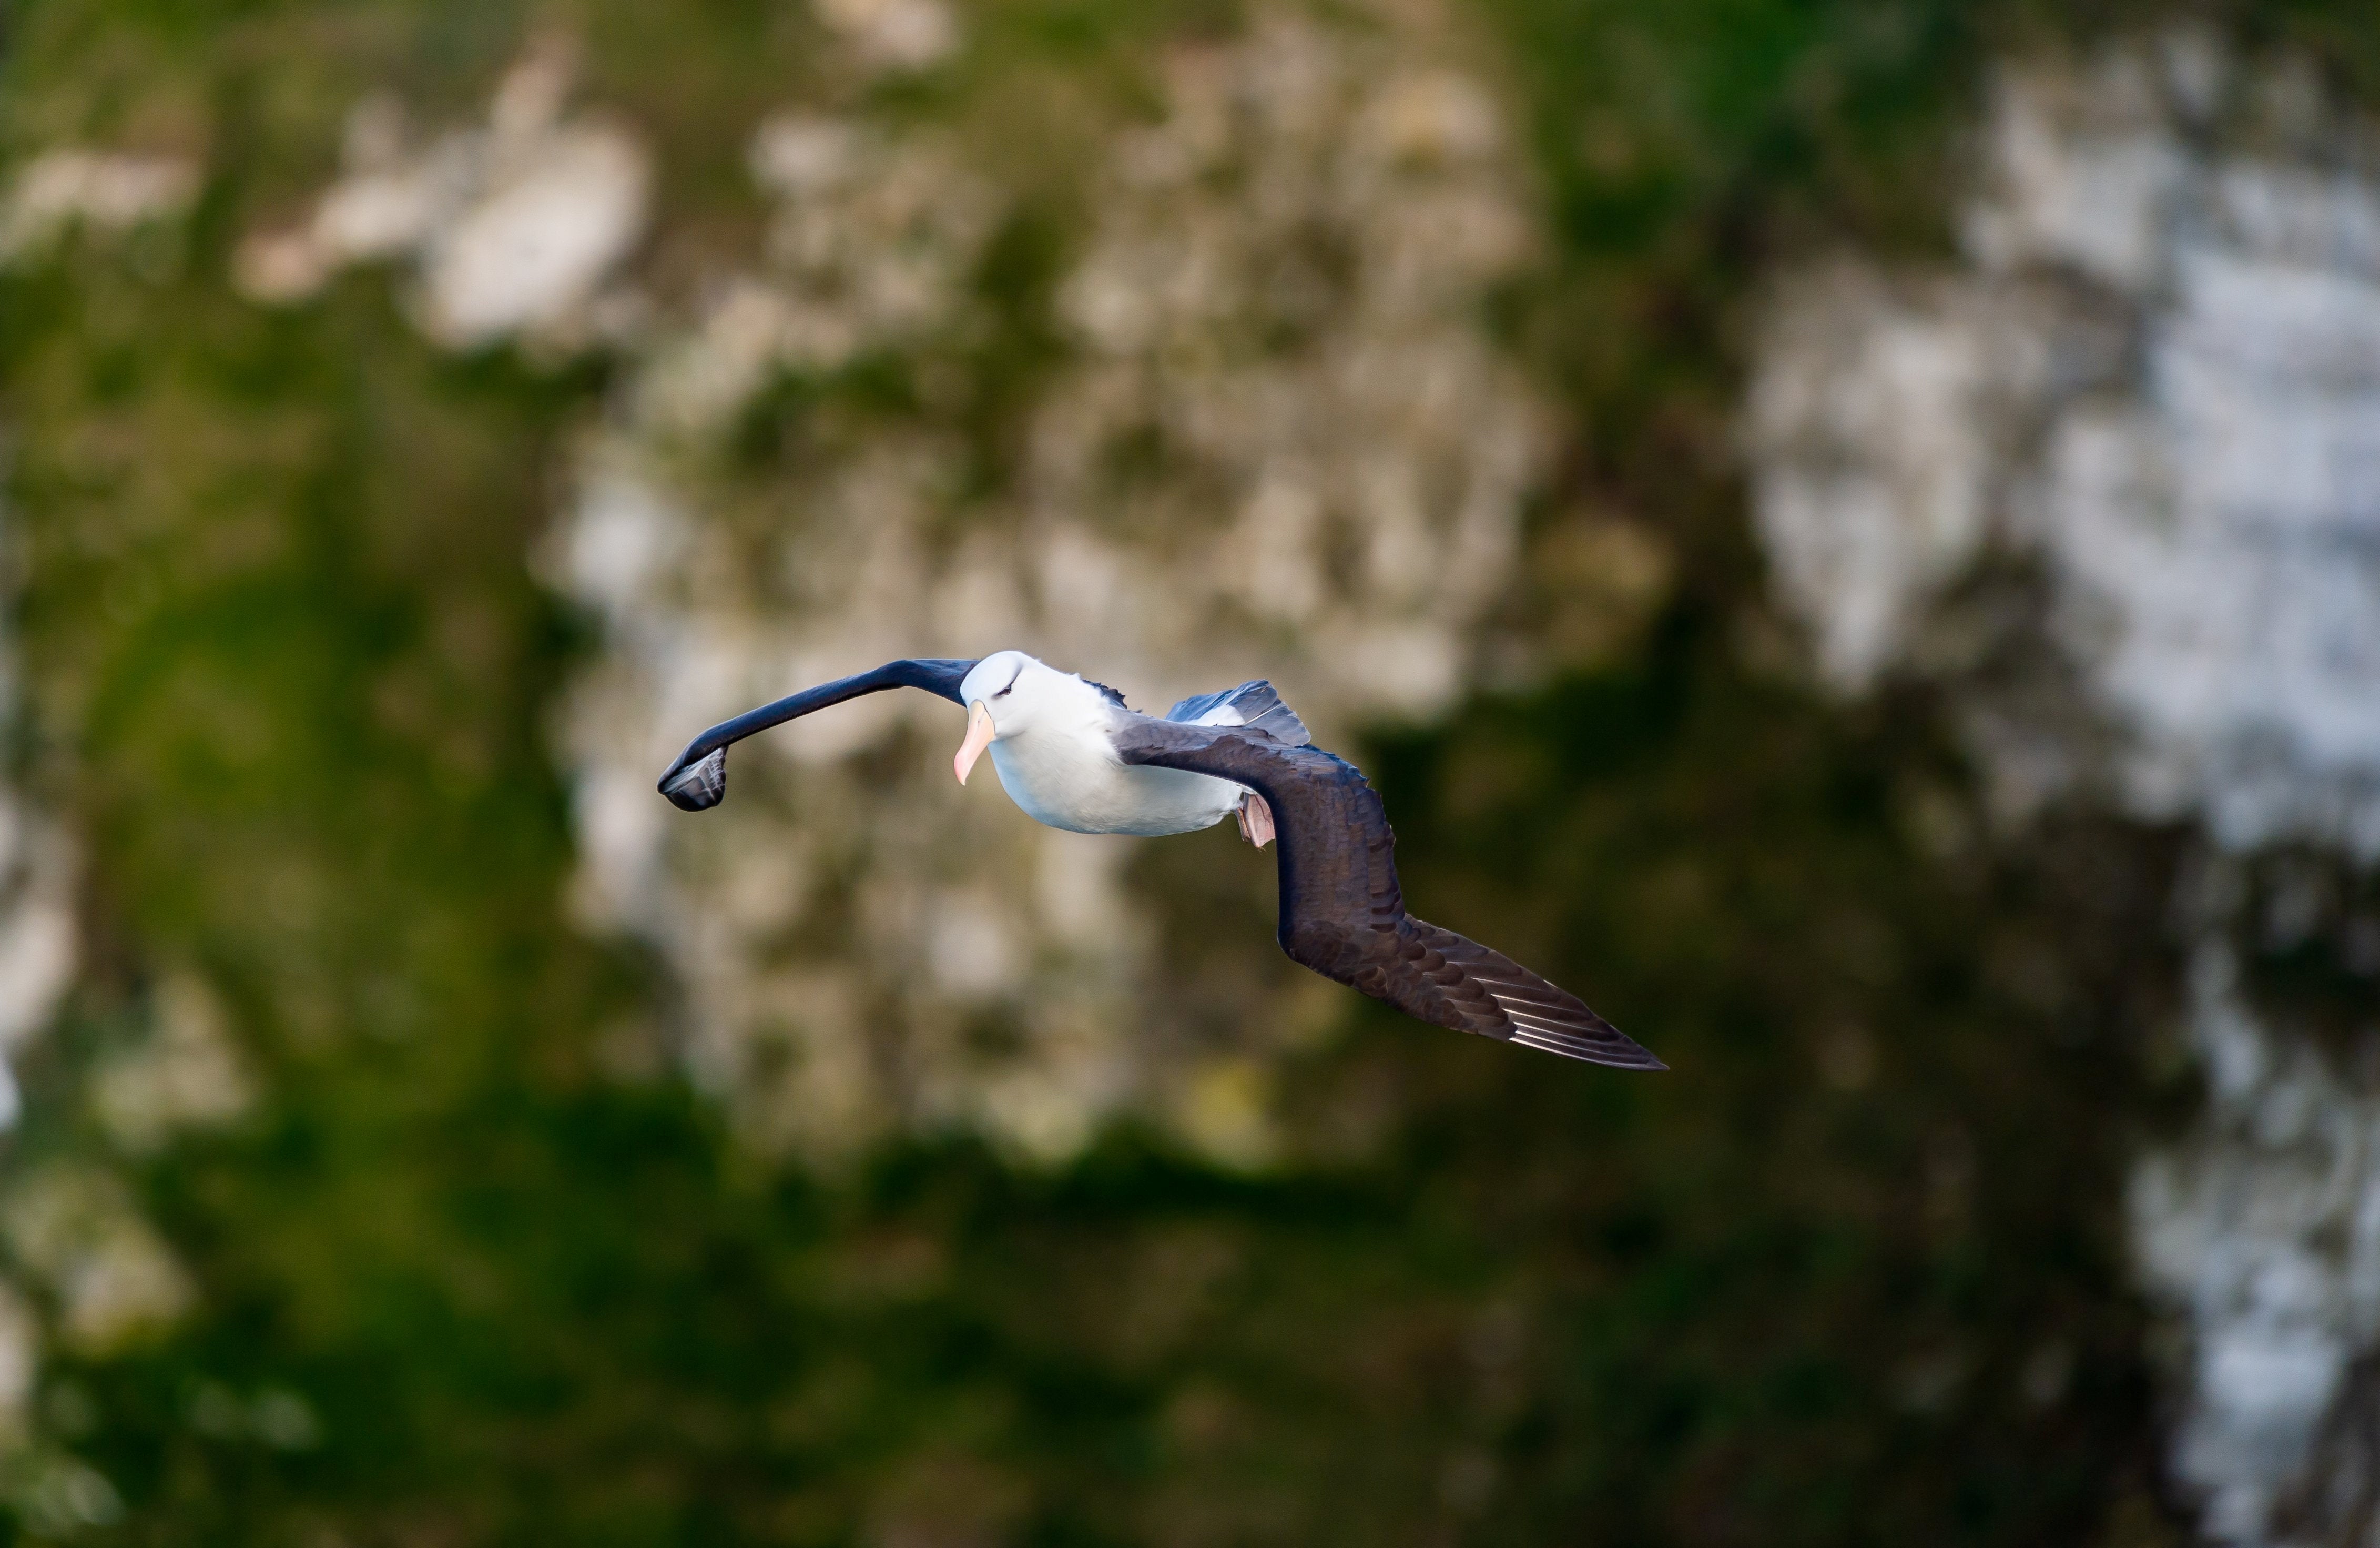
698	780
1341	913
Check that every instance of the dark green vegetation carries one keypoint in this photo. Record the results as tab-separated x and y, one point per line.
1851	1276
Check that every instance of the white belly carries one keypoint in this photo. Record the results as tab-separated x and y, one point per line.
1065	783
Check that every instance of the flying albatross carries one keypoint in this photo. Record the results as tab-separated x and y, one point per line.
1074	756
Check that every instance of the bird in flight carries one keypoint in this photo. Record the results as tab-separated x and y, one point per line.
1074	756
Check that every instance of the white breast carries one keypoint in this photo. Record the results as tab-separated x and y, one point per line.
1077	782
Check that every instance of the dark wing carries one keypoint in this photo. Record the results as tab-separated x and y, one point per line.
698	780
1342	915
1252	703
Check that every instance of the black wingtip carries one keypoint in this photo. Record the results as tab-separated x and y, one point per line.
698	785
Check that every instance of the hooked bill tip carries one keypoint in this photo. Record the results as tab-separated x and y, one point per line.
700	784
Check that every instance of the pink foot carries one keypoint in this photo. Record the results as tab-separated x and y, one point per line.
1255	820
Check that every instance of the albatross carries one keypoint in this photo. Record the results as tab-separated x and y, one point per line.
1074	755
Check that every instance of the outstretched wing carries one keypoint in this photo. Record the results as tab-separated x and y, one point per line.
1343	914
1252	703
698	780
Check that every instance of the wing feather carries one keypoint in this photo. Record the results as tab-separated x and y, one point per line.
1343	914
1252	703
696	780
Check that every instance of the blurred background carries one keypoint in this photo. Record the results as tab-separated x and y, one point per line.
1847	531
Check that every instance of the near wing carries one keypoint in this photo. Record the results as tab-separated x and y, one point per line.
1342	915
698	780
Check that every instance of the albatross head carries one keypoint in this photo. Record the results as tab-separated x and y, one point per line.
1009	693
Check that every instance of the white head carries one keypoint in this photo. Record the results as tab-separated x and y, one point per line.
1009	693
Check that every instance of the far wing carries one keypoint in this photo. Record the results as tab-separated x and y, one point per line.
1251	703
1343	914
698	780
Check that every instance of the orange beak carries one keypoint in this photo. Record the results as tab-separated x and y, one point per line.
979	736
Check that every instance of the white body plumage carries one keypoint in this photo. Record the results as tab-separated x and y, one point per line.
1051	738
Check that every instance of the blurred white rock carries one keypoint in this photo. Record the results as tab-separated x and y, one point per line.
113	1276
893	34
2158	379
38	939
20	1355
184	1073
514	229
37	934
2154	385
2264	1225
108	193
546	228
1870	420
